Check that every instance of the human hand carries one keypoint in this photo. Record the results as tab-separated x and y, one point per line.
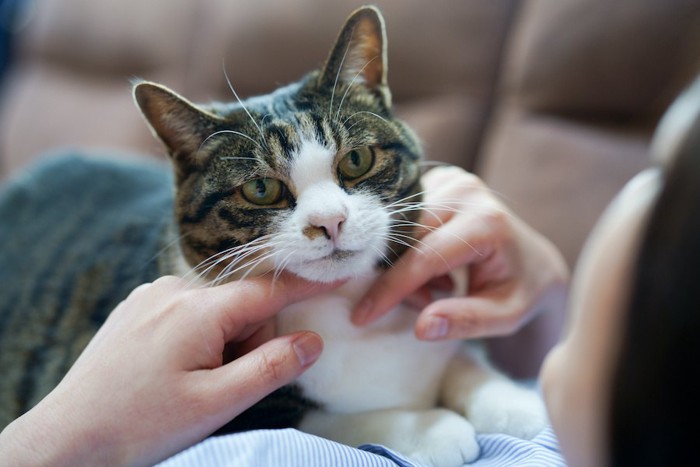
153	380
511	266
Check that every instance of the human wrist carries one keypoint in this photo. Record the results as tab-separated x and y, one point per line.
48	435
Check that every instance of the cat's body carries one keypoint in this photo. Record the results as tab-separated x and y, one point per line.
379	384
383	358
320	180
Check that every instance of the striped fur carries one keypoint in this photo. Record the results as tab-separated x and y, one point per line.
77	236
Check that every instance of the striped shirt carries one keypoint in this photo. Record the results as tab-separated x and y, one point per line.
290	447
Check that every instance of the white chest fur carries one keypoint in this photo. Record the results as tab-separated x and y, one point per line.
378	366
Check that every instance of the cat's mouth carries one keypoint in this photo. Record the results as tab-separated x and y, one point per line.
336	255
338	264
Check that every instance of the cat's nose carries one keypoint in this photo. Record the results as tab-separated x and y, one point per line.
329	225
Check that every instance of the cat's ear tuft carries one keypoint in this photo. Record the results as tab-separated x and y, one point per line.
178	123
359	54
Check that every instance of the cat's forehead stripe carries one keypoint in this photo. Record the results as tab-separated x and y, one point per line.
321	132
284	135
283	138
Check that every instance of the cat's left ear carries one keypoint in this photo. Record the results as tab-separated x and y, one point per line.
359	54
179	124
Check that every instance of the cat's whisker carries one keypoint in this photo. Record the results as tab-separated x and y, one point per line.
227	158
430	207
233	132
407	223
449	203
235	94
390	238
235	266
423	202
470	186
396	236
202	275
254	264
431	164
231	270
406	198
169	245
428	212
216	258
482	187
402	212
282	265
236	260
383	256
363	112
239	252
337	75
200	271
340	106
279	268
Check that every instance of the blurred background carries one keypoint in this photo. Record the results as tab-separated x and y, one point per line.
553	103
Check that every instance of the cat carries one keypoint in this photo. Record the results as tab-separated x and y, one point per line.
319	179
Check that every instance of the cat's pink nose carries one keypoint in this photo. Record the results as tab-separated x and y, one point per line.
330	225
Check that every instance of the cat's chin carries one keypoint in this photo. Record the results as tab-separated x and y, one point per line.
336	268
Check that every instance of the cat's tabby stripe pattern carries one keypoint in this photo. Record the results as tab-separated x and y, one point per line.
78	235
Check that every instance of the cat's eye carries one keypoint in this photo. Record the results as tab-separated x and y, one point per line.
263	191
356	163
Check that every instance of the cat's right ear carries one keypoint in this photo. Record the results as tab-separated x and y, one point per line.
360	54
178	123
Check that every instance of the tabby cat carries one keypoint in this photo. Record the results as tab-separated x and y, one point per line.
320	179
315	179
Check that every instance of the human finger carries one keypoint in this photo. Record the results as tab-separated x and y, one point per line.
238	385
459	242
265	332
242	305
497	312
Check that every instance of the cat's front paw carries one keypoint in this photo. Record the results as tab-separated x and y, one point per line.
504	407
445	440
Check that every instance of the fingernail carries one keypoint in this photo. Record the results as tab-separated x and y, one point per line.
436	328
308	348
362	311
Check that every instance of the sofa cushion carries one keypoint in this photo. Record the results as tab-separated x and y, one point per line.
626	59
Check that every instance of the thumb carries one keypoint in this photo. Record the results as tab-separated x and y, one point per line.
246	380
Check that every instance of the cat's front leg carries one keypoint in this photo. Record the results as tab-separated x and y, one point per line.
489	400
434	437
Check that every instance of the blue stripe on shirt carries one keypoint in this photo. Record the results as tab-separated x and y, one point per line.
293	448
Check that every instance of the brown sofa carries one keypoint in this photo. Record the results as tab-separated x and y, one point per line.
551	102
